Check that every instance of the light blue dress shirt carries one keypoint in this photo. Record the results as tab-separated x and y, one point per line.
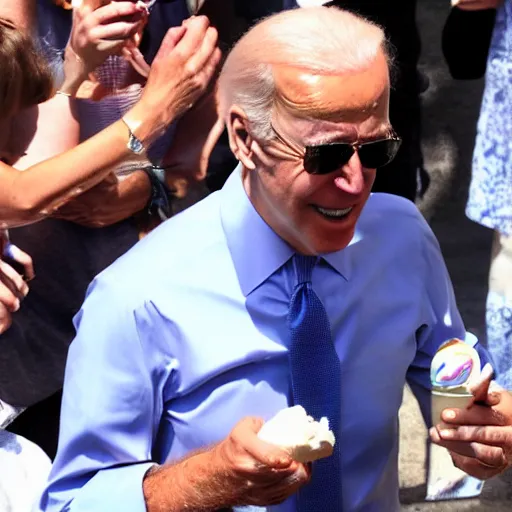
187	334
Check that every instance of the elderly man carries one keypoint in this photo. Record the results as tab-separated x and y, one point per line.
290	285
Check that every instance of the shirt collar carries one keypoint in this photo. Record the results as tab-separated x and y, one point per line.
341	261
257	251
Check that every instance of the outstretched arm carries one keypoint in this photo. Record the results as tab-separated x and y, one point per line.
180	73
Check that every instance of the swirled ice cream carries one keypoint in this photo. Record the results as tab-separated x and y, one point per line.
300	435
454	367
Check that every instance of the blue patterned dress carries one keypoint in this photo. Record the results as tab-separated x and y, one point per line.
490	194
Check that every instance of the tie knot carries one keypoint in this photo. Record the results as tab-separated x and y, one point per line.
304	267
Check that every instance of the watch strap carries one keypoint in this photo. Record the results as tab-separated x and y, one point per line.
160	202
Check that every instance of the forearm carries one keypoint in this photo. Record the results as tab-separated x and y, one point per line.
190	485
75	72
28	196
134	194
109	202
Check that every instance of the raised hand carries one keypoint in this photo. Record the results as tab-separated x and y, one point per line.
97	34
180	73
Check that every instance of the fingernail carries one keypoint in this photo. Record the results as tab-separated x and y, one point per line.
17	304
447	434
449	415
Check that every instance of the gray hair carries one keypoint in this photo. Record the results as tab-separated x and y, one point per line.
320	40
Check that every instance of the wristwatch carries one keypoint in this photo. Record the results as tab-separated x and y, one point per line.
134	144
160	202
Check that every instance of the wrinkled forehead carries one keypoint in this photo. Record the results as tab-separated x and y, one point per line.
350	101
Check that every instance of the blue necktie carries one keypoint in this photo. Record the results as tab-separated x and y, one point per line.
316	384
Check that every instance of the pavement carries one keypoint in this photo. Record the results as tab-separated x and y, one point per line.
450	112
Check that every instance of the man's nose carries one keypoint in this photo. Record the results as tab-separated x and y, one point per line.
351	178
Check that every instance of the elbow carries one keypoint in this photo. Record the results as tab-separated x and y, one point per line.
25	210
33	210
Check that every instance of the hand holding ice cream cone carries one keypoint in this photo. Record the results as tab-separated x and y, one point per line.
472	414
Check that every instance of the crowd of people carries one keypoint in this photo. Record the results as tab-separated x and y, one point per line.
190	243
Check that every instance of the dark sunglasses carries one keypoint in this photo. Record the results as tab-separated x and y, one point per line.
327	158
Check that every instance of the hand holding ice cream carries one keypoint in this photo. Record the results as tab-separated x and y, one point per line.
298	434
471	414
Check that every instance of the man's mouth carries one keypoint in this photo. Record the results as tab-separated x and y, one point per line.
331	213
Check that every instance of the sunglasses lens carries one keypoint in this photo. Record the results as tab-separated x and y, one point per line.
327	158
379	153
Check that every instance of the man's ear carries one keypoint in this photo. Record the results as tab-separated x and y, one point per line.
240	141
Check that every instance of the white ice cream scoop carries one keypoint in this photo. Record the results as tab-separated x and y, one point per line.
300	435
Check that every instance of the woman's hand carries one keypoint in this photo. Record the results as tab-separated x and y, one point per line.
479	438
13	287
180	74
97	34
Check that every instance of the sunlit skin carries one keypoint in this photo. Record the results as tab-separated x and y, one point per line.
310	110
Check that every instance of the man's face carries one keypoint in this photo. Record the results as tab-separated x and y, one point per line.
317	213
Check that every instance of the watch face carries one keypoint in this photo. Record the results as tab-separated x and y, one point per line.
136	145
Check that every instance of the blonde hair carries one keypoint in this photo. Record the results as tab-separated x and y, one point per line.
25	78
321	40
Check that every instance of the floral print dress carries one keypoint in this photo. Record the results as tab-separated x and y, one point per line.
490	194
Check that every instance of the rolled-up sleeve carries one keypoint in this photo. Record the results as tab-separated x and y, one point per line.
442	321
109	412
